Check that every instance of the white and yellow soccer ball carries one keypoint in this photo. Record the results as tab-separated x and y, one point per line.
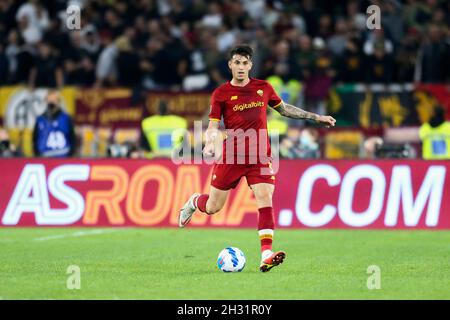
231	259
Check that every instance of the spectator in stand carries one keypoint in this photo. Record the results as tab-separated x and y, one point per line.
12	50
7	17
434	57
409	12
148	61
106	68
54	134
392	19
439	18
287	149
226	37
304	57
337	42
270	16
20	58
196	70
283	24
325	27
290	144
351	62
309	144
170	64
78	66
406	57
46	71
376	37
425	11
4	66
236	17
318	82
356	15
32	19
378	66
200	30
90	43
213	18
142	34
57	37
280	59
216	63
112	23
128	69
311	14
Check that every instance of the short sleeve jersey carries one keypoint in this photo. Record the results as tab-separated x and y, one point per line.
244	112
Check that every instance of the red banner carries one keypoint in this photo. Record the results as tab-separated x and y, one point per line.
111	108
309	194
435	94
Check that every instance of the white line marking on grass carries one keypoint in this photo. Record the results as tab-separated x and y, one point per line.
75	234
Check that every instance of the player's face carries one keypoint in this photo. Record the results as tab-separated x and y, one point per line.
240	67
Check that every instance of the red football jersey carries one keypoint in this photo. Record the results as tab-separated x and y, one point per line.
245	108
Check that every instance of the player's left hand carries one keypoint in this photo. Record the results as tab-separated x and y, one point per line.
328	121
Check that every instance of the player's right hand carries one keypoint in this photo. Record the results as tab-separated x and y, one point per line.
328	121
209	150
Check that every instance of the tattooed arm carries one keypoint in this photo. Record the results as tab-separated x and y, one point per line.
293	112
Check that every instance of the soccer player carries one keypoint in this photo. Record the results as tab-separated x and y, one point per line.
242	102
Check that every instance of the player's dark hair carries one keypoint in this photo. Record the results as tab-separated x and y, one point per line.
242	50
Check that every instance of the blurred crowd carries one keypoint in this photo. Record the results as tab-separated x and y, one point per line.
182	44
302	47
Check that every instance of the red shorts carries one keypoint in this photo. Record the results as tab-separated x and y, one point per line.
227	176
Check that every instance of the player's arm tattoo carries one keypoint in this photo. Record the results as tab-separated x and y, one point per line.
293	112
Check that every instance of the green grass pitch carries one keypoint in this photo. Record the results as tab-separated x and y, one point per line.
181	264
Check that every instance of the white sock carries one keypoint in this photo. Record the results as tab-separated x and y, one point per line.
265	254
194	201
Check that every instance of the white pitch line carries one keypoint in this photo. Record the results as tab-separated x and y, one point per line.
75	234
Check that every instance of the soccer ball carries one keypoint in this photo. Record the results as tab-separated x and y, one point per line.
231	259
